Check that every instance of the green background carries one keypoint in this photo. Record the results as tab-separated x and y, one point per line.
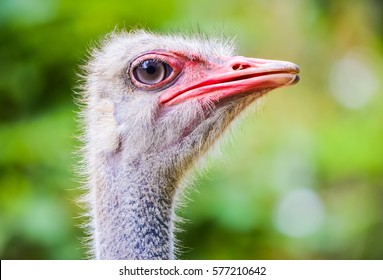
303	176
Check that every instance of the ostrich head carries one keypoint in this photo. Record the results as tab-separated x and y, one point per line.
153	106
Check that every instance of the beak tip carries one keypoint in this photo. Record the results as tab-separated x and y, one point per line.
296	68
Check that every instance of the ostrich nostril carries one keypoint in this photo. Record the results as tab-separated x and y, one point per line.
240	66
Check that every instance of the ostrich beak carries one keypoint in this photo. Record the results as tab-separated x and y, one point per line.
236	75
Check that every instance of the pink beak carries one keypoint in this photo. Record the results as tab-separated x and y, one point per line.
237	75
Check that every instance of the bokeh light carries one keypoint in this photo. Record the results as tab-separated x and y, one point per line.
352	82
299	213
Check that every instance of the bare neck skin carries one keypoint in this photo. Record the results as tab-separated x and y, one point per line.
136	223
134	212
134	195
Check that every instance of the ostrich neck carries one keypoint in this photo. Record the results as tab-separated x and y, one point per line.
133	193
133	211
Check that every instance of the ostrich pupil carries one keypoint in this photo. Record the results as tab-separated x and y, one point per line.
151	69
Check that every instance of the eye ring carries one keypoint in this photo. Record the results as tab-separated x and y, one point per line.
155	70
152	72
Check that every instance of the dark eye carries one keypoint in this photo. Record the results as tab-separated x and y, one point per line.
151	72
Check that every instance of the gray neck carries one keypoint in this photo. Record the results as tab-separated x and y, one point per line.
132	191
133	212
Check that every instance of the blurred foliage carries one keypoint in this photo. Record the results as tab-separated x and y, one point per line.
303	179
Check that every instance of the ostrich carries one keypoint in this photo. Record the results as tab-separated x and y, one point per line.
153	105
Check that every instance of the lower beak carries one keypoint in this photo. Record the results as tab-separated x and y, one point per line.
237	75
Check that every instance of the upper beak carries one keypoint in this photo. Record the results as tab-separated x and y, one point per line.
236	75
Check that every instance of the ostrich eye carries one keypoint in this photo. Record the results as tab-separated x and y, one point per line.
151	72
